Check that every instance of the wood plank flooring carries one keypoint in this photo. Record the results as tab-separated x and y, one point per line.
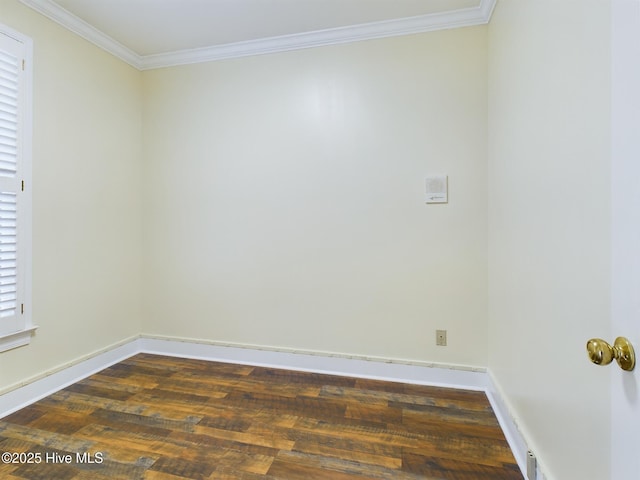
161	418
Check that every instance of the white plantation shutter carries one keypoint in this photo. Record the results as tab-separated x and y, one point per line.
8	256
15	208
9	90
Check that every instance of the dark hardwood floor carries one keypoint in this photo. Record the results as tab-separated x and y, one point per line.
161	418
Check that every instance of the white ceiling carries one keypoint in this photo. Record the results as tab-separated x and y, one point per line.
159	26
136	30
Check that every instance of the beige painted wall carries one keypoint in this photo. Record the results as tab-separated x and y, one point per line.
549	225
285	201
86	200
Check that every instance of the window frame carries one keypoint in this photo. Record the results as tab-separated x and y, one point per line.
17	338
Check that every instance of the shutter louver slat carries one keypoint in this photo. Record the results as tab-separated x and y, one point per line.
5	115
9	132
8	121
8	72
7	148
7	62
7	106
7	129
7	92
8	88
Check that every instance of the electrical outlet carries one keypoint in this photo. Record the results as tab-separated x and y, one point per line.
441	338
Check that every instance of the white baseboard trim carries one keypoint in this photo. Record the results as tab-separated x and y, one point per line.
455	376
452	376
509	428
512	433
36	388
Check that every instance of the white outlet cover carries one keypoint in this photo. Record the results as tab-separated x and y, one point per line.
437	188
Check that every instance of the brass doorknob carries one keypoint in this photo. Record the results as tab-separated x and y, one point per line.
601	353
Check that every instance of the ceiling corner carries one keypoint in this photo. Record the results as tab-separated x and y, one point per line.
487	7
69	21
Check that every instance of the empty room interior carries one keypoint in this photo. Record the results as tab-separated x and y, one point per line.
271	209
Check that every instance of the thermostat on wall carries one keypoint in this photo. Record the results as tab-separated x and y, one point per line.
437	189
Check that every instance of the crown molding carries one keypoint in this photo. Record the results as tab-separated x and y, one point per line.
479	15
78	26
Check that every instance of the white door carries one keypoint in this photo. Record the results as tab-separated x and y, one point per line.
625	288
